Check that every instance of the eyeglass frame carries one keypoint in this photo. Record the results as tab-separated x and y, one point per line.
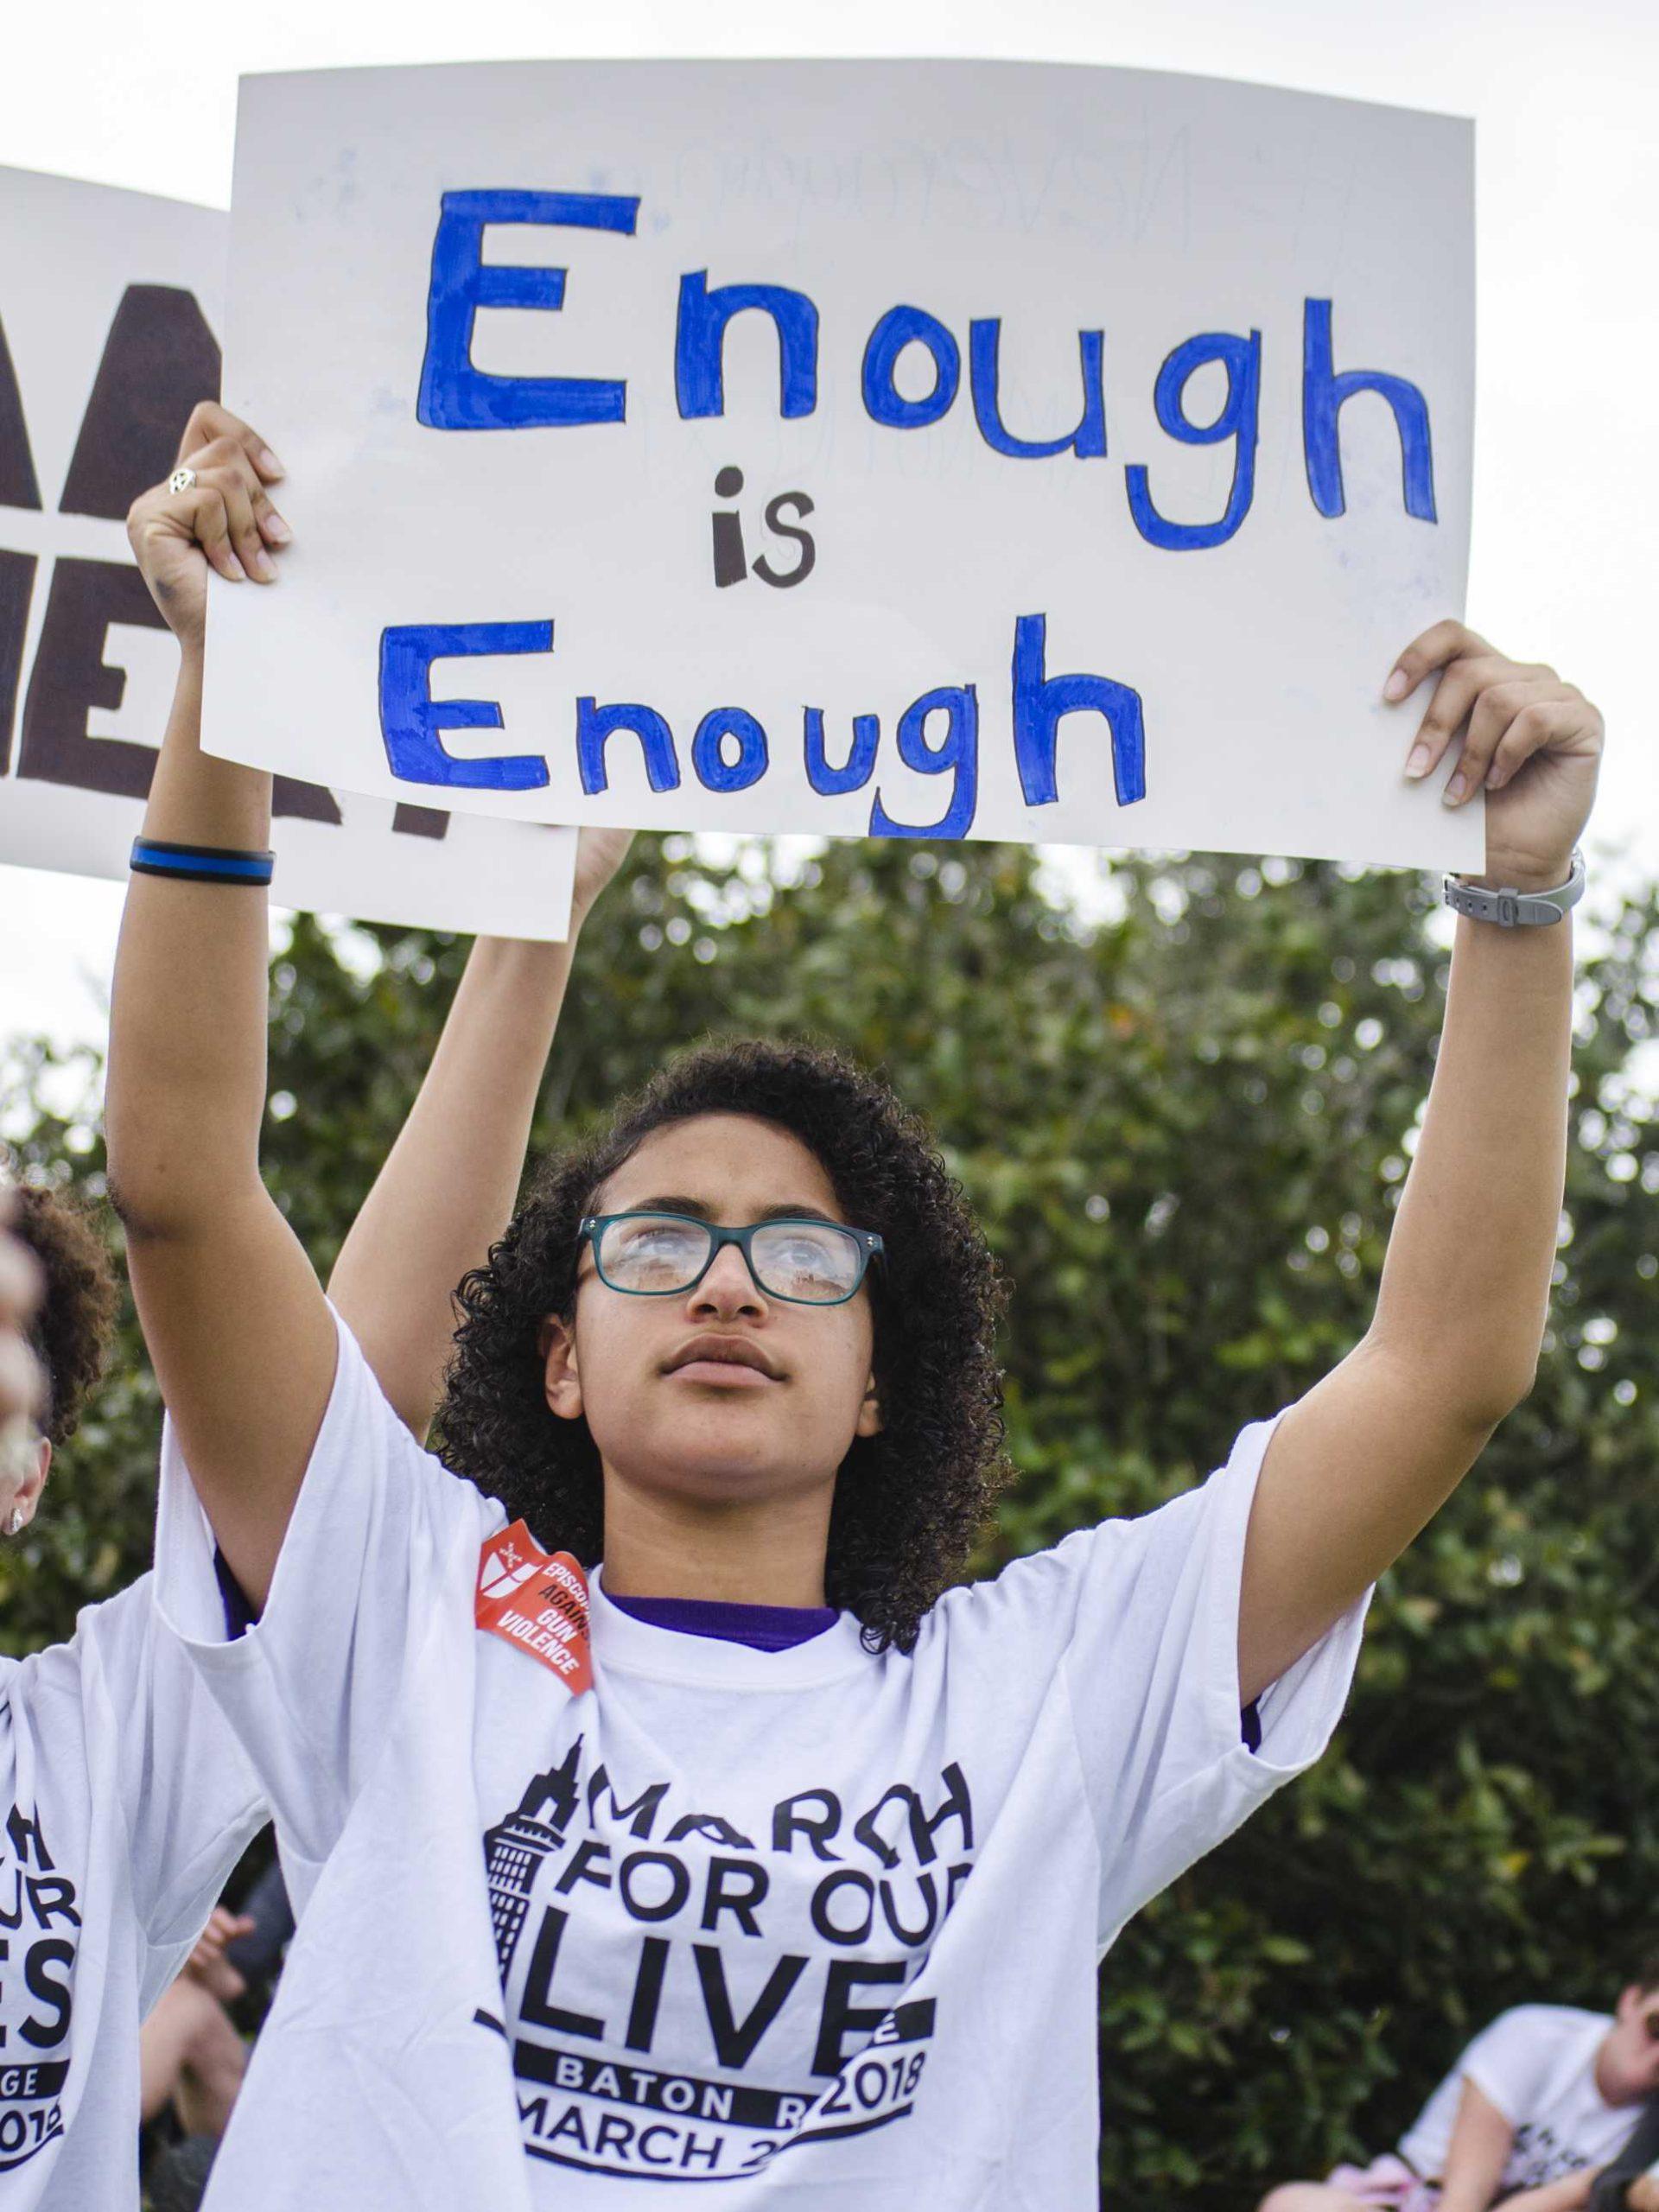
592	1226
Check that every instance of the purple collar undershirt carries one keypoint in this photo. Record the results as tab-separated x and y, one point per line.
763	1628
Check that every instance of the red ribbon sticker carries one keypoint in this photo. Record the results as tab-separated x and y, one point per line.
536	1601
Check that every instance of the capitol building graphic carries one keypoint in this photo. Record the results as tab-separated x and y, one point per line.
515	1847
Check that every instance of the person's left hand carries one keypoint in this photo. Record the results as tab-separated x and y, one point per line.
1643	2195
1532	742
600	853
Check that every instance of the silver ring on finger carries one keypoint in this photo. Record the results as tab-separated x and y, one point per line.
181	479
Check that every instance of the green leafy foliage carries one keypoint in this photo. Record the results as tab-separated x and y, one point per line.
1185	1129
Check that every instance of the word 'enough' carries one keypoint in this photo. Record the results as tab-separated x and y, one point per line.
730	750
454	395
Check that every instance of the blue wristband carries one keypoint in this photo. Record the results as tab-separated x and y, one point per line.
200	863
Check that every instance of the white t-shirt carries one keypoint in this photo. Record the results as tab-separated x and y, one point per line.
808	1928
124	1803
1537	2063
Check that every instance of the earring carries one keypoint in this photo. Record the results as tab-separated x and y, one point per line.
16	1521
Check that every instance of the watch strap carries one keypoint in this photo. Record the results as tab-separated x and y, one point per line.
1512	909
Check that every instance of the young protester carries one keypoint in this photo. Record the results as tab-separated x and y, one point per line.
120	1783
124	1797
1537	2106
766	1862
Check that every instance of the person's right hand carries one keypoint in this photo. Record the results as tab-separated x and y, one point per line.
224	519
1643	2195
600	853
22	1383
207	1963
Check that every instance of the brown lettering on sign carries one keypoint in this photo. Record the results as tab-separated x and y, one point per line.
19	487
17	587
159	359
308	802
70	677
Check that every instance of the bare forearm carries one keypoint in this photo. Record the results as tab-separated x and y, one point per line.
1570	2194
1470	2184
1466	1286
186	1075
448	1186
1357	1467
1482	2139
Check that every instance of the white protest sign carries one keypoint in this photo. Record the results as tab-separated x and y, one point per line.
931	448
108	305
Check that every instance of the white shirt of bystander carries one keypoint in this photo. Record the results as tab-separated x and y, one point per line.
124	1804
1537	2064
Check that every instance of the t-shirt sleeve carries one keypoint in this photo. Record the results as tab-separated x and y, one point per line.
1507	2060
157	1742
1138	1621
377	1545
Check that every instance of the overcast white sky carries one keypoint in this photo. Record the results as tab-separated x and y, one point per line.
1566	560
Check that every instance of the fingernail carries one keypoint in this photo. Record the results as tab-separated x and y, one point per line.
276	528
1420	762
1454	791
264	567
1397	685
235	567
270	463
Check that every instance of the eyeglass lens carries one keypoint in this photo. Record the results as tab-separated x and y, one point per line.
813	1262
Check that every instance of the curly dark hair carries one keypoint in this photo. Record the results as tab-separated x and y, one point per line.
910	1501
71	1332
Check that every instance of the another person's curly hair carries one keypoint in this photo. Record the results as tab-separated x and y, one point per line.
71	1332
910	1501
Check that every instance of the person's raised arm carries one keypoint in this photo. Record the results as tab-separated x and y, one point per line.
1357	1467
234	1316
448	1186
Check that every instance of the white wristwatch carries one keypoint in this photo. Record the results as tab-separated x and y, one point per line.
1513	910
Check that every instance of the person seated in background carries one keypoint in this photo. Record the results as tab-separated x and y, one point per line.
1535	2106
